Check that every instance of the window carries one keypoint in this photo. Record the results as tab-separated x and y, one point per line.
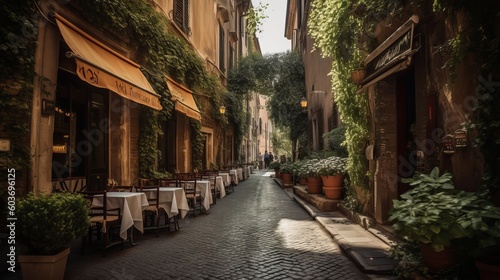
221	49
181	15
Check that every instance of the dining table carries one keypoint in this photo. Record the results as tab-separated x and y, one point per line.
131	205
220	185
172	200
234	176
203	186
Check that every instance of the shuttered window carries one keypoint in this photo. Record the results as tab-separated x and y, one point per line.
181	15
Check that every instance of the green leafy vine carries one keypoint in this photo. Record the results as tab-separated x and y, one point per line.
17	51
161	52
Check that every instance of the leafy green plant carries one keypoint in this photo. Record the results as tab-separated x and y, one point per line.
275	165
286	167
435	213
336	139
47	223
331	166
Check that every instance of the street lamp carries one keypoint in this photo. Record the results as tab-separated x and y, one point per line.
303	102
222	109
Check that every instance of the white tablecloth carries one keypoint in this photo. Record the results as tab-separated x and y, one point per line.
234	176
240	174
219	184
173	200
131	205
203	187
226	178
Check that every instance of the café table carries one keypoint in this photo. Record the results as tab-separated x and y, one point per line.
173	200
234	176
240	174
131	205
219	184
203	186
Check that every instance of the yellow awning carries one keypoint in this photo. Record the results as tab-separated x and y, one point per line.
102	67
184	101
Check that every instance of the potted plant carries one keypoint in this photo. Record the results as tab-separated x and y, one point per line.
275	165
286	171
332	170
314	182
436	215
45	225
298	172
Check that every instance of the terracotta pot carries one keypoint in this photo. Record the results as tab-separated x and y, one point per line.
303	181
489	267
314	185
436	261
277	173
287	179
332	192
333	180
44	267
358	75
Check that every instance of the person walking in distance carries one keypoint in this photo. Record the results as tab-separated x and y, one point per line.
271	157
266	160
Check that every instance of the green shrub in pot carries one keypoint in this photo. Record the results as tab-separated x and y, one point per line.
436	213
47	223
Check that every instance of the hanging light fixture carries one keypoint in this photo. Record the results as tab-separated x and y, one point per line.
303	102
222	109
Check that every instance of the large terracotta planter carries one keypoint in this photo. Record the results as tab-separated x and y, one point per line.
332	185
287	179
314	185
333	180
303	181
436	261
489	267
44	267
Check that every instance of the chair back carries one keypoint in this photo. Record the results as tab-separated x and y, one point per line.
152	193
189	185
147	182
182	175
121	189
97	210
169	182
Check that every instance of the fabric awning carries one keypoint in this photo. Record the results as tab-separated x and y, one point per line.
102	67
184	101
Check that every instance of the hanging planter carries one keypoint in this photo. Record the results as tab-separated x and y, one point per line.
358	75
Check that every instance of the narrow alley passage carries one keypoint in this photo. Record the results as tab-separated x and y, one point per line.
257	232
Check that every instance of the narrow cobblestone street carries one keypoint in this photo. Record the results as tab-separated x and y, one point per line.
257	232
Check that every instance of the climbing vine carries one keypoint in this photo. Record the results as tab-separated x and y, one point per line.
335	26
17	50
161	52
480	38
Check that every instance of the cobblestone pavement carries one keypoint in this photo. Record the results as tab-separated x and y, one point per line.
256	232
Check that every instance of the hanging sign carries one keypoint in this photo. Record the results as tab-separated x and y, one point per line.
460	136
448	145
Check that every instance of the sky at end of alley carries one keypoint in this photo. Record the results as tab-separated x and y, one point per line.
272	38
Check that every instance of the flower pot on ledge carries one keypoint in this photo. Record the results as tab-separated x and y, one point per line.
314	185
287	179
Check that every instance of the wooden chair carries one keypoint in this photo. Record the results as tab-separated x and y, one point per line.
169	182
153	212
120	188
211	176
230	187
193	195
102	222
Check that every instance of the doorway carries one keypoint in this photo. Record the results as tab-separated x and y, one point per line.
80	137
406	117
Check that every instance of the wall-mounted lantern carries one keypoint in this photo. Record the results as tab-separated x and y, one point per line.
303	102
222	109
